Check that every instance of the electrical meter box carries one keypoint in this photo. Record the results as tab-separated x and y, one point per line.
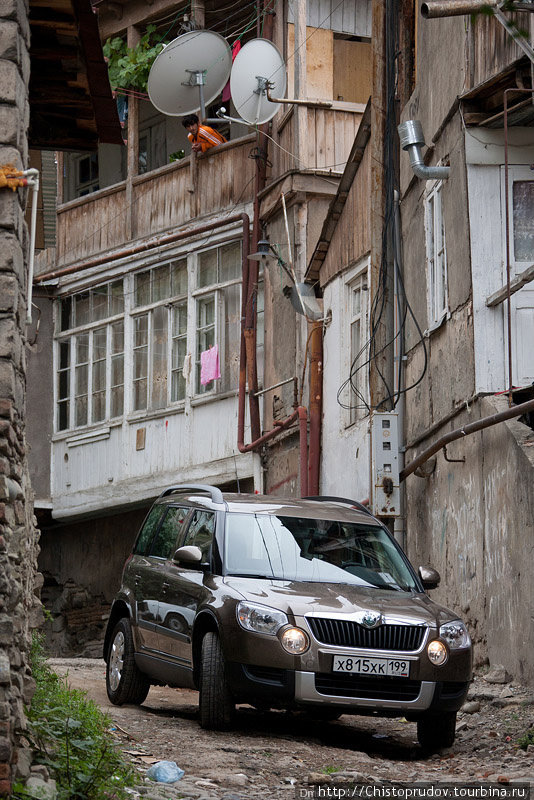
385	464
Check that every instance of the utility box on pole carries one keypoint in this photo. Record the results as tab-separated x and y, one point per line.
385	485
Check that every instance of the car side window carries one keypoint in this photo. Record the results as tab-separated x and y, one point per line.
170	531
200	532
146	533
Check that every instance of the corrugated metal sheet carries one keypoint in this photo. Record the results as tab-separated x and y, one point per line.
352	17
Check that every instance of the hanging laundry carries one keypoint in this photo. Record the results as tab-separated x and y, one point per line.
209	365
236	47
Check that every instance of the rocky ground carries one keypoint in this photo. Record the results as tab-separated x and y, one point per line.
272	754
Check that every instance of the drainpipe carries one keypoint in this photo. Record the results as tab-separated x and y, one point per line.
412	140
316	384
459	433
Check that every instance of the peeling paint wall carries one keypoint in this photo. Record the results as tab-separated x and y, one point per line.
474	522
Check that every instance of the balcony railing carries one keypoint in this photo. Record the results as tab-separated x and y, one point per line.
158	201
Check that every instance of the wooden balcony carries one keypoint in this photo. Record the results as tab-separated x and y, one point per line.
492	49
329	136
157	202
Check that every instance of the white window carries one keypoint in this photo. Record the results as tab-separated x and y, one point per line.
90	357
356	391
218	313
181	307
159	334
436	256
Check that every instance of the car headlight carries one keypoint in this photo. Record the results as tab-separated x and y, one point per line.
437	653
295	641
260	619
455	634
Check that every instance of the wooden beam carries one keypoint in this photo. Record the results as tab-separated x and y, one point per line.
527	276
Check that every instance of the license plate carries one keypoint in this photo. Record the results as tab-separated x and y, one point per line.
372	666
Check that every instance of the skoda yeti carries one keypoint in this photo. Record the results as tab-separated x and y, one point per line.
284	603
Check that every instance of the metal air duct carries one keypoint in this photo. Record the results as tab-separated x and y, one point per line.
412	140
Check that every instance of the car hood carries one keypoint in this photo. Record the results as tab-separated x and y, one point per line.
341	601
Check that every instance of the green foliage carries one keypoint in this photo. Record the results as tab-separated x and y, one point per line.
488	11
71	736
128	67
527	738
176	156
330	770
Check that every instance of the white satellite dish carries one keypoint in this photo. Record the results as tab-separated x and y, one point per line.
189	73
257	67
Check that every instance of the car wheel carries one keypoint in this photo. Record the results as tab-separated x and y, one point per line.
216	704
125	683
436	732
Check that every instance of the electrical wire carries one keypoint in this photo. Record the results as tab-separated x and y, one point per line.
378	304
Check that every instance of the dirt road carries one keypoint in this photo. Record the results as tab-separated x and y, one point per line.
267	755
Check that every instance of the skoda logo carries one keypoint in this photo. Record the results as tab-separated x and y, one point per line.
371	619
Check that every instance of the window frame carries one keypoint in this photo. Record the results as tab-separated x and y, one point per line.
359	276
437	284
71	338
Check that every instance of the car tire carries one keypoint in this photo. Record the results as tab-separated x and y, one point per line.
125	683
215	700
436	732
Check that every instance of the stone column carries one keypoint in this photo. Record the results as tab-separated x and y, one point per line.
18	535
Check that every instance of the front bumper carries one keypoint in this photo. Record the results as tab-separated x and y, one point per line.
301	689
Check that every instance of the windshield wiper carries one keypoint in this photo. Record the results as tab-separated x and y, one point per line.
249	575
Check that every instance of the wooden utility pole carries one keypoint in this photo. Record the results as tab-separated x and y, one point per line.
198	12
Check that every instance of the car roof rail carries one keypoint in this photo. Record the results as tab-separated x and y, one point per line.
329	499
213	491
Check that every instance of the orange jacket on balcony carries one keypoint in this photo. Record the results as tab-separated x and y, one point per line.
206	137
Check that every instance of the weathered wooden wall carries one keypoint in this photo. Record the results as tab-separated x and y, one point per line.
351	239
492	48
330	136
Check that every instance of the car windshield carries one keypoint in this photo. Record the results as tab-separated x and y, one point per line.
316	550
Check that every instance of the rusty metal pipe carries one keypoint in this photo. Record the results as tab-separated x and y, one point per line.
432	9
148	245
303	441
316	407
473	427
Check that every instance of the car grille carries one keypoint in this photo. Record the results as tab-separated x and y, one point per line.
347	633
384	688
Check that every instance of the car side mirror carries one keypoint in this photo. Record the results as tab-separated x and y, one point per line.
430	577
189	554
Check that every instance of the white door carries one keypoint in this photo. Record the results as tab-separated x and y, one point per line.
521	227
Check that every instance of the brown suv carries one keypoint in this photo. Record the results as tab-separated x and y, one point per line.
277	602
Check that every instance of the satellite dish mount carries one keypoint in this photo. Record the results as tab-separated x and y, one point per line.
197	77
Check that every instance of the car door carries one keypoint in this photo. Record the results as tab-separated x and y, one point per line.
139	579
184	591
150	573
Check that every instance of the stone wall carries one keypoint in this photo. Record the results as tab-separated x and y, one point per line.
19	609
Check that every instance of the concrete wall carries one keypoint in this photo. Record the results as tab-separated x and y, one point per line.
473	521
18	537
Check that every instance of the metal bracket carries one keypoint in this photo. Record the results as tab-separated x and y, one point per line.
452	460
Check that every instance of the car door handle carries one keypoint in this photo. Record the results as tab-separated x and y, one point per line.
165	586
137	579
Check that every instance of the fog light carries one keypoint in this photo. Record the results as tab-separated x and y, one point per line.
437	653
295	641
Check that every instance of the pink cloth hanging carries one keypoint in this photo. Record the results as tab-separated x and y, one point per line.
209	365
236	47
